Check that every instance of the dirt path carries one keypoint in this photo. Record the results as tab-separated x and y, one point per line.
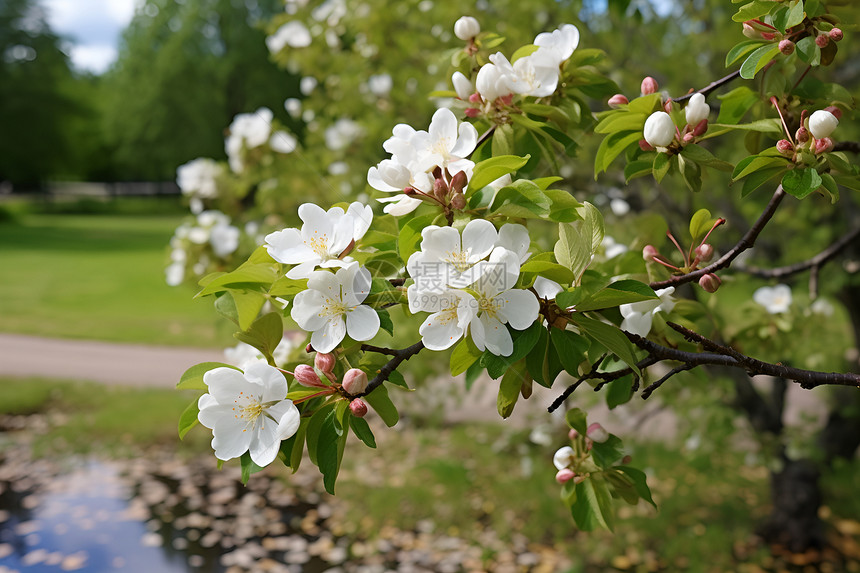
106	362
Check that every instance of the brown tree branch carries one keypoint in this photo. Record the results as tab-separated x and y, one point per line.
710	87
399	356
746	242
852	146
815	262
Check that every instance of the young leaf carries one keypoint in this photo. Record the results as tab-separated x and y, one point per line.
571	348
410	235
188	419
491	169
639	483
509	388
758	59
383	405
362	431
463	356
264	334
612	338
801	182
577	420
330	449
619	391
593	505
192	379
248	467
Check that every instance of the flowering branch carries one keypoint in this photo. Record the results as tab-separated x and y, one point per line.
710	87
399	356
813	263
746	242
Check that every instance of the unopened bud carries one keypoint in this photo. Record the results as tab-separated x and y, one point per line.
572	434
836	34
822	123
700	128
409	191
751	32
355	381
649	252
466	28
325	362
309	348
458	201
649	86
618	100
786	47
306	376
440	189
768	36
785	147
667	106
358	408
710	282
705	252
472	112
645	146
475	98
837	113
565	475
802	135
597	433
626	459
823	145
822	40
458	182
688	138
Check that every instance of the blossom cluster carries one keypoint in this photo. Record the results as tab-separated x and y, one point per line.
213	235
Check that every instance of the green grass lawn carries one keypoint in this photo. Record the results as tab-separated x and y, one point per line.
98	276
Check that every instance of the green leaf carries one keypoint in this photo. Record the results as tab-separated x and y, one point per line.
577	420
288	287
829	183
702	156
564	206
619	391
758	59
759	178
363	432
385	322
547	269
638	168
264	334
593	505
771	126
491	169
753	10
612	338
245	276
690	172
646	104
543	362
464	355
503	141
330	450
509	388
741	50
192	379
188	418
808	51
639	483
248	305
592	219
524	342
522	198
313	430
735	105
571	349
607	453
621	120
801	182
789	16
410	235
661	166
226	307
755	163
616	294
295	454
611	147
849	182
248	467
383	405
700	223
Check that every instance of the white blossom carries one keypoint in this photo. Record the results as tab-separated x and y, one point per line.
175	273
342	133
224	240
452	310
822	123
247	412
293	34
697	109
466	28
248	130
560	43
638	316
380	85
547	289
447	259
534	75
446	143
283	142
775	299
462	85
491	83
659	129
197	177
331	307
563	457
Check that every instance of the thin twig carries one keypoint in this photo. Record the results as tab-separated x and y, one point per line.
852	146
817	261
646	393
746	242
710	87
380	350
399	357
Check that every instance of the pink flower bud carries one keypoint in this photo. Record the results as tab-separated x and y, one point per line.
649	252
802	135
306	376
649	86
572	434
645	146
355	381
358	408
472	112
458	201
836	34
785	147
309	348
768	36
786	47
700	128
710	282
626	459
458	182
823	145
667	106
618	100
565	475
325	362
597	433
751	32
822	40
475	98
837	113
440	188
688	138
705	252
409	191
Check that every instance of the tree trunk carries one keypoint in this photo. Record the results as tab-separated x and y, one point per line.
796	497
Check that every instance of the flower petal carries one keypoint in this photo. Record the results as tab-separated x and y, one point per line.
479	238
440	330
265	443
636	323
330	335
306	310
229	440
287	247
271	379
519	308
362	323
515	238
497	337
225	384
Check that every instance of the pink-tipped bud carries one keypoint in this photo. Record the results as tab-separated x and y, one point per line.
751	32
768	36
458	201
618	100
358	408
440	188
472	112
458	182
710	282
565	475
306	376
572	434
688	138
785	147
475	98
649	86
645	146
325	362
823	145
667	107
506	99
409	191
626	459
700	128
705	252
836	35
822	40
786	47
309	348
802	135
649	252
355	381
837	113
597	433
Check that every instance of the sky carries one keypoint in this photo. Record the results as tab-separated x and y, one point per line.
92	26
